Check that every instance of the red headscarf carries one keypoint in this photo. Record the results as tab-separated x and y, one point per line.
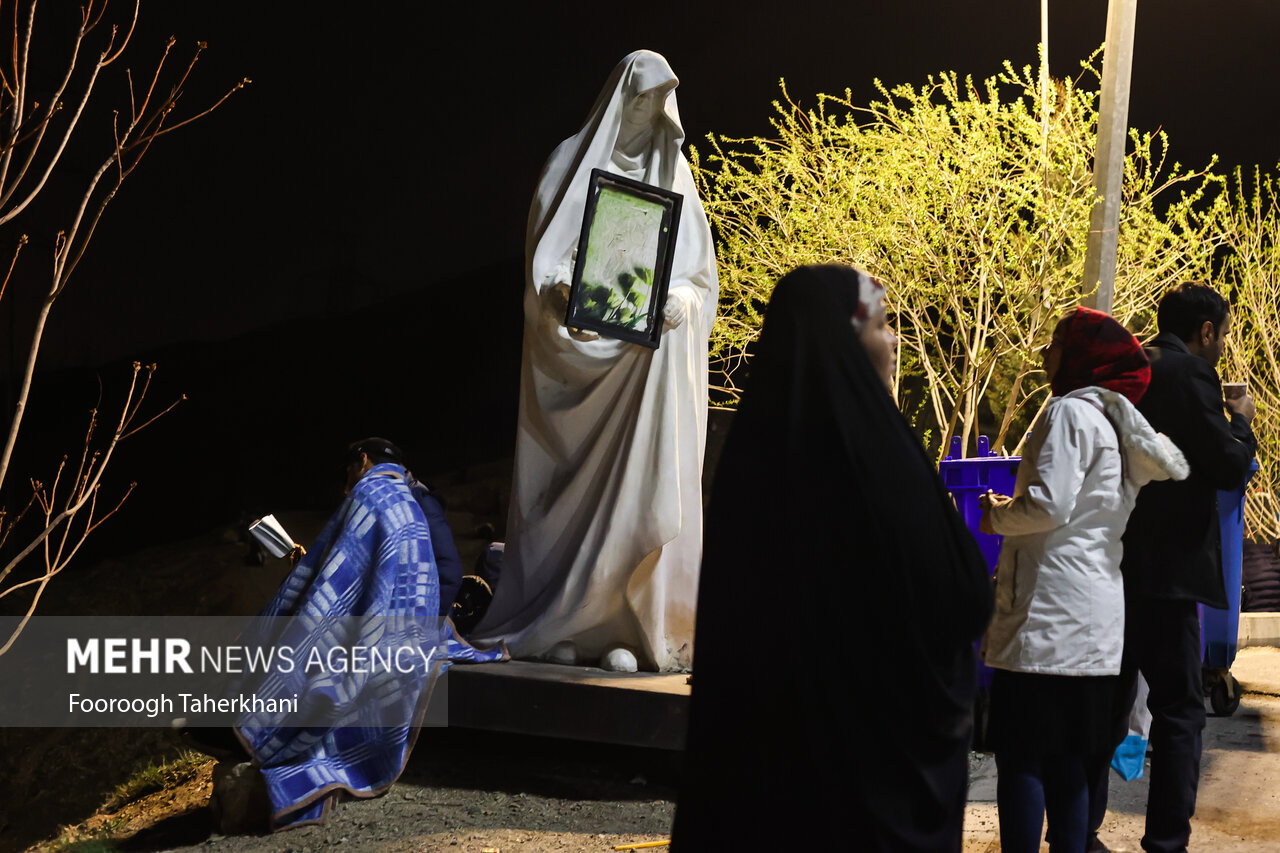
1097	350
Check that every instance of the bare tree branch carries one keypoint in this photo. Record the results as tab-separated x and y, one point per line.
69	505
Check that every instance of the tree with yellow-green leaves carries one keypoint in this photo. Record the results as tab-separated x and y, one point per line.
1250	278
973	215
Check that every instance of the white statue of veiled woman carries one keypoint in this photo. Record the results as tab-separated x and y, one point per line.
604	535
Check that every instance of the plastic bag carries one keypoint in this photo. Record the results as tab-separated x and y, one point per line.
1131	754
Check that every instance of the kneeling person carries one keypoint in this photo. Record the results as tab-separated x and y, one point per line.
367	591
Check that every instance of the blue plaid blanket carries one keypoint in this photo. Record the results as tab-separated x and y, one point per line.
461	651
369	581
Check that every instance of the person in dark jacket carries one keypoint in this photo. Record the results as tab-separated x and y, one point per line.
1172	553
852	728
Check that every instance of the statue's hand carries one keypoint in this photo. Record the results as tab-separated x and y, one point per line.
562	273
678	307
558	300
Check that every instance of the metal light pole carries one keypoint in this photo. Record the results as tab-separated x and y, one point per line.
1044	81
1108	162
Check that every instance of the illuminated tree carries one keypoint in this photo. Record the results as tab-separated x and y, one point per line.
1251	279
975	217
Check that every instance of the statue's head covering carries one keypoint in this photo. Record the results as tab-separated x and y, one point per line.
640	89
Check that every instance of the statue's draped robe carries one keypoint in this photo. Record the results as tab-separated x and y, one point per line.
605	527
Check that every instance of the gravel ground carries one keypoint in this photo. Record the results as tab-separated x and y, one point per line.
413	817
462	791
483	791
476	791
1238	804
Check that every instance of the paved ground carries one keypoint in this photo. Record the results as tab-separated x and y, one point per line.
1238	810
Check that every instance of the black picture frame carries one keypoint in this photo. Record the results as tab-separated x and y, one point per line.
625	253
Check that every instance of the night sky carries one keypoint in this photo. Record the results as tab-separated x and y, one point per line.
374	180
391	149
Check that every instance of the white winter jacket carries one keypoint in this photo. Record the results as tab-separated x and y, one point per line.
1059	595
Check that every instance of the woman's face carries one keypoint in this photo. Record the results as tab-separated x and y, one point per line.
881	345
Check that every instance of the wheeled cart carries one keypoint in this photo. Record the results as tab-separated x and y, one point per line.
1220	629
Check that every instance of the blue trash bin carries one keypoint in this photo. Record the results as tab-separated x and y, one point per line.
967	480
1220	629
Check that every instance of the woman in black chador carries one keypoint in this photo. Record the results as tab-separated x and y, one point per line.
839	602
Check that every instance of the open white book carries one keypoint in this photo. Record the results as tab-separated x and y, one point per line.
271	534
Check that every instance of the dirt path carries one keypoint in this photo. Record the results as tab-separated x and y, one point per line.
1238	806
471	791
462	791
415	817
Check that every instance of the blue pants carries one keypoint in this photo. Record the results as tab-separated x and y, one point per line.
1029	786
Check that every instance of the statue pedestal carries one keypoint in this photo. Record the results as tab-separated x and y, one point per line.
646	709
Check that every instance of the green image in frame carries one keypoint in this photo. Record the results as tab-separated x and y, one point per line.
624	259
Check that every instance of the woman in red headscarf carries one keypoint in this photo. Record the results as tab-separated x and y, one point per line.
1057	635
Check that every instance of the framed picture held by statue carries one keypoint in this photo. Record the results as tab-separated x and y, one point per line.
624	259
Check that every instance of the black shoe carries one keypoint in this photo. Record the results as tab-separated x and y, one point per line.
1095	845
